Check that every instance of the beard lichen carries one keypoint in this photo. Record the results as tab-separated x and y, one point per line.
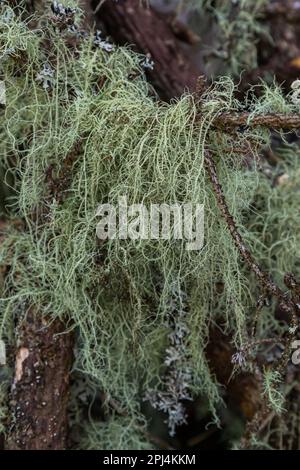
78	131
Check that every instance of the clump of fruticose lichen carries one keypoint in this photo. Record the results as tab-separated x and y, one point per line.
79	129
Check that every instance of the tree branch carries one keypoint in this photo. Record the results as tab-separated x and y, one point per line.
40	389
229	120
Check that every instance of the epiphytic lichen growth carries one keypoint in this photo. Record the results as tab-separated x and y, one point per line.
177	378
78	130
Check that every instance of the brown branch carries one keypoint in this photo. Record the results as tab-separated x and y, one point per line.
40	388
134	23
230	120
265	280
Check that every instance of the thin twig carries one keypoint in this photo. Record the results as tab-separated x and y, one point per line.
265	280
259	306
290	306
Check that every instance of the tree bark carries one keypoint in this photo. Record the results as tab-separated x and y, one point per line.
132	22
40	389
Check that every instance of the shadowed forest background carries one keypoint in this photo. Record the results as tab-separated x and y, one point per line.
141	344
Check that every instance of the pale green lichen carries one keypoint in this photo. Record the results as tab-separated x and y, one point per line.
129	144
275	397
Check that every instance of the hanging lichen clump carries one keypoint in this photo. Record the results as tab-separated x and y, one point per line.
80	128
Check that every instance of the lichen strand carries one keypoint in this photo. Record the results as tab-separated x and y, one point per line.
98	103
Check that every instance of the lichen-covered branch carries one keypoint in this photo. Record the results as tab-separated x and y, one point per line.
290	304
264	278
229	120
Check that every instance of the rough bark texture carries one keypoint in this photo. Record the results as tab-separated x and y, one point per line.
229	120
40	388
131	22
